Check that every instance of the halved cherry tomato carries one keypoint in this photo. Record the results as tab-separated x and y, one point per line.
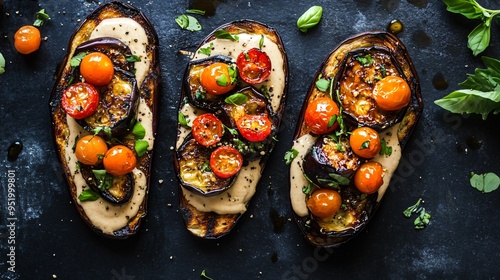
369	177
207	129
254	128
254	66
27	39
218	78
365	142
97	69
392	93
319	115
225	161
90	149
324	203
80	100
119	160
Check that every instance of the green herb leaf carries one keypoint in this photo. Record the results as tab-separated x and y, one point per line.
104	180
195	11
222	80
206	167
138	131
132	58
290	155
261	42
233	74
486	182
183	121
233	131
106	130
2	64
366	60
41	17
207	50
77	59
384	149
236	99
141	147
223	34
332	121
310	18
88	195
412	209
344	181
194	24
365	145
467	8
199	95
265	91
479	38
204	275
323	84
307	189
182	21
471	101
422	220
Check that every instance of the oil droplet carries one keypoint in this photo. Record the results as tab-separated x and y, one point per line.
274	257
439	81
395	26
278	221
209	6
419	3
421	39
14	150
474	143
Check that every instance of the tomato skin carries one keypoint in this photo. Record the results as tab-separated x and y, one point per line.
80	100
97	69
119	160
27	39
207	129
225	161
254	128
212	76
254	66
392	93
319	112
369	177
365	136
90	149
324	203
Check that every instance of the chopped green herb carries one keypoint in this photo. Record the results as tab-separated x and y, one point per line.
2	64
138	131
261	42
207	50
332	121
310	18
423	217
206	167
486	182
77	59
412	209
222	81
290	155
88	195
106	130
41	17
182	120
133	58
104	180
233	74
265	91
204	275
188	22
384	149
195	11
322	84
365	145
233	131
141	147
366	60
247	56
236	99
223	34
199	95
383	71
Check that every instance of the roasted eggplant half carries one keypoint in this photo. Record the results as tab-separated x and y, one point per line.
104	128
345	155
220	91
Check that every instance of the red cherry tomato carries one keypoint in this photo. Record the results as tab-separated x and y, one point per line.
254	128
80	100
119	160
207	129
365	142
90	149
369	177
319	115
392	93
225	161
27	39
254	66
324	203
218	78
97	69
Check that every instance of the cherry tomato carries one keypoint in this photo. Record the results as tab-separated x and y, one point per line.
119	160
365	142
27	39
80	100
218	78
207	129
90	149
97	69
392	93
324	203
369	177
254	128
319	114
254	66
225	161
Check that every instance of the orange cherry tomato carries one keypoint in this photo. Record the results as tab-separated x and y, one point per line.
27	39
254	128
218	78
369	177
225	161
119	160
365	142
207	129
90	149
392	93
324	203
97	69
254	66
80	100
319	115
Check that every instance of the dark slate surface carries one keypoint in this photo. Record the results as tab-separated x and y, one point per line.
461	242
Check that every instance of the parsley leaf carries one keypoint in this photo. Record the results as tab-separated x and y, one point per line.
290	155
366	60
207	50
77	59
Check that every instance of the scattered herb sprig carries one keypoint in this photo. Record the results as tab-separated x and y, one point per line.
310	18
41	18
423	217
290	155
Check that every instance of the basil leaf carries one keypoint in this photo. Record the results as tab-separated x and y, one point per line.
41	17
344	181
222	81
471	101
479	38
207	50
2	64
486	182
77	59
236	99
323	84
182	21
88	195
104	180
133	58
182	120
467	8
223	34
195	11
141	147
310	18
193	24
290	155
138	131
233	74
332	121
233	131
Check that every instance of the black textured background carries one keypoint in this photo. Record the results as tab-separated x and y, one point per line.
461	242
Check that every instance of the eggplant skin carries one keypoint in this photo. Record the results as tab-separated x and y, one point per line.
330	69
148	91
